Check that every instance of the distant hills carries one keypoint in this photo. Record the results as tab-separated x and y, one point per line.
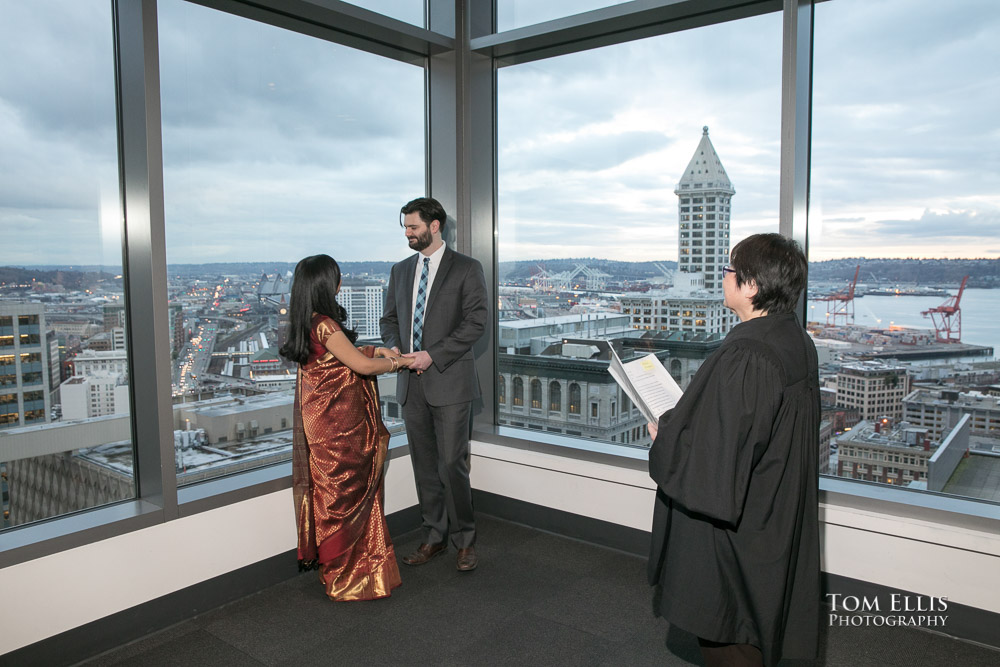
520	271
925	272
71	279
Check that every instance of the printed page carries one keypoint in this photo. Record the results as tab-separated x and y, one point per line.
647	383
654	384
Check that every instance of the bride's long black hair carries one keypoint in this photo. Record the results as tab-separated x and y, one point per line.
314	290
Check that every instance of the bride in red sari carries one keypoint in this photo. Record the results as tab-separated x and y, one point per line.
339	441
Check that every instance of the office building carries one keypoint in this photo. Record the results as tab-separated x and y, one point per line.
114	316
875	388
678	310
362	299
705	194
92	362
25	374
938	410
532	336
55	361
694	301
901	454
568	390
94	395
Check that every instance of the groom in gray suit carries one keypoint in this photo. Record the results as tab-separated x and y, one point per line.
435	310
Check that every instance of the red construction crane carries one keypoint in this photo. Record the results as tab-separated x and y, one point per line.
841	304
949	327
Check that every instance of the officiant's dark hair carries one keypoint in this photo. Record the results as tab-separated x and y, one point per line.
314	290
430	209
777	265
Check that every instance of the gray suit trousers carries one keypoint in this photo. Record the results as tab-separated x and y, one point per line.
439	449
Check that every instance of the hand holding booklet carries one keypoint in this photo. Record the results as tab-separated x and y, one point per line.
647	383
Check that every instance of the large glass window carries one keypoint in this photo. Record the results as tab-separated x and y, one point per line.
610	161
905	208
276	146
65	433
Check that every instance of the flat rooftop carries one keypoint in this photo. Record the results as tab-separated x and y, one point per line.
977	476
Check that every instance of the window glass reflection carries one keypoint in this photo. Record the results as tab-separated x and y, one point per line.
904	209
65	435
276	146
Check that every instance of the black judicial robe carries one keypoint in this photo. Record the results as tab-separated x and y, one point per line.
735	547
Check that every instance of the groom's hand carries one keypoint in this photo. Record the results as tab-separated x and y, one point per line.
422	361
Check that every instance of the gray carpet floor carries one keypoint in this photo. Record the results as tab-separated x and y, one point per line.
536	599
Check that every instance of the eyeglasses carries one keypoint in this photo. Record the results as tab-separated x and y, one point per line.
727	269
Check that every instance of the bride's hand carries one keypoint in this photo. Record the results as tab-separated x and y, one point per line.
385	352
405	362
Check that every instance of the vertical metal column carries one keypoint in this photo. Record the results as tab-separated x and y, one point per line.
796	111
461	146
141	168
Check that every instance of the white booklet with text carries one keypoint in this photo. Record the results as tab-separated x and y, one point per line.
647	383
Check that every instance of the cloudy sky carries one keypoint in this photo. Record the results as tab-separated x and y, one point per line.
278	145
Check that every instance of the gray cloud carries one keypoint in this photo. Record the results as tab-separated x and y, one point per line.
276	144
593	153
58	73
921	134
267	94
981	224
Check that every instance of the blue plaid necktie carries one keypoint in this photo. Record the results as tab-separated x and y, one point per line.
418	309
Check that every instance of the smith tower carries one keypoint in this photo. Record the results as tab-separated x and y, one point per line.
704	193
694	303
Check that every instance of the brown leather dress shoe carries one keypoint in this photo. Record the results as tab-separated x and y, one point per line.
424	553
467	559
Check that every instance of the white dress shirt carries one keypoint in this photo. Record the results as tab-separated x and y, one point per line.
432	268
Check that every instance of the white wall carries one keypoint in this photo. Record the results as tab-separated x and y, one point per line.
67	589
74	587
596	490
74	398
924	557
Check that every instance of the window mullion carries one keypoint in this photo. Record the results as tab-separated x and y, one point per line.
141	165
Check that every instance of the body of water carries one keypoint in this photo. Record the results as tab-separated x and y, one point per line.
980	322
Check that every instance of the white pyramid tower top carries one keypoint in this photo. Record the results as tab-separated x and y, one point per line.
705	170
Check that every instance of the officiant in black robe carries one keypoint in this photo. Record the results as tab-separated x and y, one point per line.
735	549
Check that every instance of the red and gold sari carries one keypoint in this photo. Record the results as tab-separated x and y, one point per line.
339	451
